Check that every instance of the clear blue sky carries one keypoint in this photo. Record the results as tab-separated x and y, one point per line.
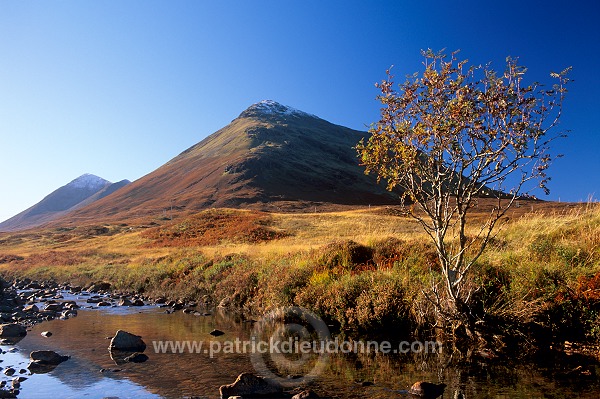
117	88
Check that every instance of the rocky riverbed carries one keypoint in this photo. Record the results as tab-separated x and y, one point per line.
60	321
26	303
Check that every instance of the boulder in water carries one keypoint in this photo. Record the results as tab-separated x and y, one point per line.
125	341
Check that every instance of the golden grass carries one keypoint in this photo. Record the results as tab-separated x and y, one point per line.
546	257
304	233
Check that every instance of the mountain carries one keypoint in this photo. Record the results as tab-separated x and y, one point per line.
270	157
82	191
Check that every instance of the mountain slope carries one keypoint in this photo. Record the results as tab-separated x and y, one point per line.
83	190
270	157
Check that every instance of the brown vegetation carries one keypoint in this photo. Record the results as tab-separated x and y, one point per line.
362	270
213	227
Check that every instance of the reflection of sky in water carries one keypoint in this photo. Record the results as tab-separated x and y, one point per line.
74	381
176	375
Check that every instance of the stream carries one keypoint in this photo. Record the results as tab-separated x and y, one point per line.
91	372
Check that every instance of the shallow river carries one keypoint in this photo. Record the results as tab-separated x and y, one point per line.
92	373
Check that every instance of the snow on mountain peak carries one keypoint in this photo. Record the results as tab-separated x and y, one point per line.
88	180
270	107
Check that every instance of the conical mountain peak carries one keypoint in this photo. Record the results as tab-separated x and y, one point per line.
270	108
89	180
80	191
271	157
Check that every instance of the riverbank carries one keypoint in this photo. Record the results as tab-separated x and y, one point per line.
364	272
92	372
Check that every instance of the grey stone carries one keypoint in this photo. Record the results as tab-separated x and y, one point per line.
53	307
138	302
47	357
12	330
31	309
306	394
125	302
125	341
250	384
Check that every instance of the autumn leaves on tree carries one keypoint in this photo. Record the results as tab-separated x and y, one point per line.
455	133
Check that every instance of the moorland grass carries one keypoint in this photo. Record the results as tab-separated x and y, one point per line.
365	271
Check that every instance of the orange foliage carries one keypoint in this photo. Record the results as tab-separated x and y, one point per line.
214	226
589	287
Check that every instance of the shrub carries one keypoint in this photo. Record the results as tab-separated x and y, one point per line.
358	302
387	252
345	254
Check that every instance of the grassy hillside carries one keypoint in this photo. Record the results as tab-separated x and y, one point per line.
261	161
364	270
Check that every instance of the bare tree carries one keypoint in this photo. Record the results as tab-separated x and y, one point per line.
454	134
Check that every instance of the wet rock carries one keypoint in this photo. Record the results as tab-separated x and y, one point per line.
5	309
427	389
75	290
9	371
46	334
94	299
4	394
138	302
248	384
125	341
31	309
99	287
54	307
12	330
33	286
188	310
69	313
70	305
216	333
136	358
125	302
104	303
46	358
306	394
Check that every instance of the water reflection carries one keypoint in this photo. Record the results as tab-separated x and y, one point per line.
177	375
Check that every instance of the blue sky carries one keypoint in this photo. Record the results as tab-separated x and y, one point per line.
117	88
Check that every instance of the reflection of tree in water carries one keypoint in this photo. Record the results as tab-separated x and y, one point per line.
197	374
472	374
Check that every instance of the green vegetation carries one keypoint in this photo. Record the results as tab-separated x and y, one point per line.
539	280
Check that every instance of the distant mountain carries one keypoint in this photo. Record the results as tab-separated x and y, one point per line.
270	157
80	192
